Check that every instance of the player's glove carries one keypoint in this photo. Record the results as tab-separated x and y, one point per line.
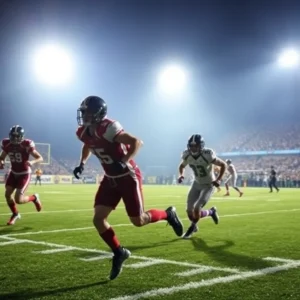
180	179
1	164
118	166
78	170
216	183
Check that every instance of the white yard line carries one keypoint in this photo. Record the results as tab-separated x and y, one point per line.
148	261
193	272
51	211
105	254
150	199
11	242
129	224
55	250
197	284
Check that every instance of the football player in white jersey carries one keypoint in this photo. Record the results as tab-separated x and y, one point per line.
231	179
201	161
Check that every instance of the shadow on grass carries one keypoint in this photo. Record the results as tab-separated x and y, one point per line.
5	229
221	254
24	295
132	248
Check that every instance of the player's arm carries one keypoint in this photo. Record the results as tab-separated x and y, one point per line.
85	154
2	159
133	142
181	168
222	164
3	155
38	158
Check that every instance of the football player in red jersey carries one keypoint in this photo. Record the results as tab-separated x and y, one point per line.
18	151
115	149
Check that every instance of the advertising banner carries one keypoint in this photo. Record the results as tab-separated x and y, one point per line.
76	181
89	179
63	179
46	179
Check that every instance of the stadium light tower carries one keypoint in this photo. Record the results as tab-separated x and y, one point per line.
289	58
53	65
172	79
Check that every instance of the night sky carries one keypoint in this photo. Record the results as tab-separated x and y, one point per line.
228	48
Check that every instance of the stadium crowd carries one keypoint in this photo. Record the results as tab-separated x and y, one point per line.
285	137
254	169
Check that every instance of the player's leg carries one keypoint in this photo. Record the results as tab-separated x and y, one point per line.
106	199
23	182
9	190
40	180
227	181
205	194
132	194
192	199
271	185
275	185
235	186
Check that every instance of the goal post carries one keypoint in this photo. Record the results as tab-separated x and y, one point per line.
44	149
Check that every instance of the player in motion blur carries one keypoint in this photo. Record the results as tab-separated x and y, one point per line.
18	149
115	149
231	179
201	160
273	180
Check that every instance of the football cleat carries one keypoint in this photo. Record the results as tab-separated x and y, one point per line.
117	263
214	215
13	219
174	221
192	229
37	202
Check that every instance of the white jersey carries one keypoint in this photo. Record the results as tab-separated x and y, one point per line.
231	169
201	165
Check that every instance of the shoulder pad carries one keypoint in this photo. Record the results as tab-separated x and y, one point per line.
79	132
28	143
185	154
106	122
5	142
207	151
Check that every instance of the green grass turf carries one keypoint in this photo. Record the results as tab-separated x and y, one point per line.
251	228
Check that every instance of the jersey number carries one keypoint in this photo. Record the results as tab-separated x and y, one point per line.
15	157
199	171
104	158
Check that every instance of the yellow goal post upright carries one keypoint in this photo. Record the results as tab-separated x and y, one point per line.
44	149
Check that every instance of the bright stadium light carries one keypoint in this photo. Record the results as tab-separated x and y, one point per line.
172	79
289	58
53	65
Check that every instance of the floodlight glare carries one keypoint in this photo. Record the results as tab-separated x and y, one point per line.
53	65
289	58
172	79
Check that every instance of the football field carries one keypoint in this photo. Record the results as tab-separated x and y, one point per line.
254	252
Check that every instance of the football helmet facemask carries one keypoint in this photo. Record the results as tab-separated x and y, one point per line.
92	110
16	134
195	144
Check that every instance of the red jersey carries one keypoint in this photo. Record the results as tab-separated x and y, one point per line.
101	143
18	155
